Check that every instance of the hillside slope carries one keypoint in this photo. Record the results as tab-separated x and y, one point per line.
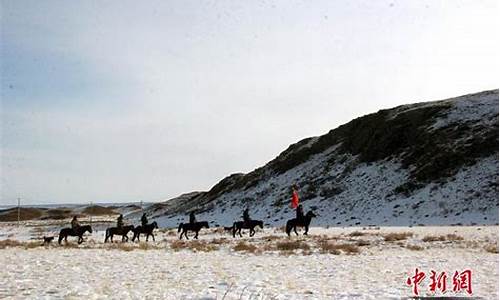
431	163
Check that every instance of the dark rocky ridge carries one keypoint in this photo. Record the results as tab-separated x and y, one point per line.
404	134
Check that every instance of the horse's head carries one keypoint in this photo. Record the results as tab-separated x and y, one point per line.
310	214
261	224
205	224
155	225
87	228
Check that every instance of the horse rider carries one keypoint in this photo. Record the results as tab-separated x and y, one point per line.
119	222
144	220
300	213
74	224
192	218
246	216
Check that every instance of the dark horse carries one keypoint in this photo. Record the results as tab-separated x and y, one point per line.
294	223
147	229
118	231
65	232
251	224
196	227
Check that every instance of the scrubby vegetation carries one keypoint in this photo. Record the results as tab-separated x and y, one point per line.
397	236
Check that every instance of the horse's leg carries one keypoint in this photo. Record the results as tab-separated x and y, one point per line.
234	231
196	235
239	231
306	230
295	229
153	237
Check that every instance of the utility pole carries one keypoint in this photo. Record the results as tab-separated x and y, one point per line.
18	211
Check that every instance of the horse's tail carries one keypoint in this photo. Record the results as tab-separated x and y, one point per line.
180	227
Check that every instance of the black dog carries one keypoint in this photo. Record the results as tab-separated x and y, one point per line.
47	240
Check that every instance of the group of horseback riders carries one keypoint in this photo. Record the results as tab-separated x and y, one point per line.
119	222
300	220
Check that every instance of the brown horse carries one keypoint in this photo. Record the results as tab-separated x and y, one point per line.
79	231
196	227
294	223
147	229
118	231
251	224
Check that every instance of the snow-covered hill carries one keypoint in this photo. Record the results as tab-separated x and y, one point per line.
426	163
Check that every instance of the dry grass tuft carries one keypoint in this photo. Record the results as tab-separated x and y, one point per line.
397	236
415	247
357	233
270	238
243	246
362	243
433	238
292	245
178	245
195	246
332	248
220	241
454	237
491	248
9	243
202	246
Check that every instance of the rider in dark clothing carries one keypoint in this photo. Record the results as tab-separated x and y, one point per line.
144	220
192	218
246	216
119	222
74	224
300	213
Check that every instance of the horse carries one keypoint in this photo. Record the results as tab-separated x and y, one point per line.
196	227
238	225
294	223
79	231
147	229
118	231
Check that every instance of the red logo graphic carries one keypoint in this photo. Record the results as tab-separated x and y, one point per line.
462	282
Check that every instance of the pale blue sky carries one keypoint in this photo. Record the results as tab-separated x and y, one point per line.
143	100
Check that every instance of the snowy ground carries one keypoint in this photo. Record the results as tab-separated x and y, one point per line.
168	269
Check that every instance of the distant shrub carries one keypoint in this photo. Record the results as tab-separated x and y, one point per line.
415	247
397	236
9	243
433	238
362	243
492	248
356	233
242	246
454	237
292	245
442	238
332	248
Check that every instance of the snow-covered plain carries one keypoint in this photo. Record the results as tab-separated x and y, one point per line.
167	269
